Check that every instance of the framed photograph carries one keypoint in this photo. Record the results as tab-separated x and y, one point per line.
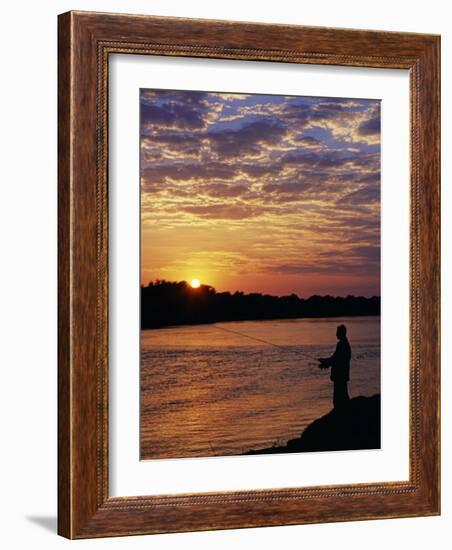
256	194
248	275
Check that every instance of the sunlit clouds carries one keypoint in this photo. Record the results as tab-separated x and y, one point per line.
261	193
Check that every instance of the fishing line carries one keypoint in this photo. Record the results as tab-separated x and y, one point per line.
265	342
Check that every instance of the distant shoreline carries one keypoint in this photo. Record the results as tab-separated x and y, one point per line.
165	304
154	327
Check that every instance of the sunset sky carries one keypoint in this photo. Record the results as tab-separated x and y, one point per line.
261	193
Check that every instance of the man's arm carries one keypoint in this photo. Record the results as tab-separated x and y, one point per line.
326	362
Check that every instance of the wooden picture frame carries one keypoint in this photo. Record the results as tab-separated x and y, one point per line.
85	508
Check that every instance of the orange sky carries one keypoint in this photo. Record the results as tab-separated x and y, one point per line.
258	193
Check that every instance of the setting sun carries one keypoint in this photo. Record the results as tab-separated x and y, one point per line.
194	283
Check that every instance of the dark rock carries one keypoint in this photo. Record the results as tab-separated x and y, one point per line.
357	425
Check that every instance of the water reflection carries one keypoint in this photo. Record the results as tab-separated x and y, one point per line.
210	392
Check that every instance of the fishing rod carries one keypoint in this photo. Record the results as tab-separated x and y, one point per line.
285	348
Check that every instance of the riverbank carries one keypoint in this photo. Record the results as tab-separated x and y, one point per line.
356	426
165	304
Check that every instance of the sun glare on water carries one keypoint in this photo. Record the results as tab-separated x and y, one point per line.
195	283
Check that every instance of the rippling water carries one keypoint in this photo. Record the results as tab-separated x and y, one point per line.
208	392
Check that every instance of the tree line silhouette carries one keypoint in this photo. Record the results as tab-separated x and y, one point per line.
165	303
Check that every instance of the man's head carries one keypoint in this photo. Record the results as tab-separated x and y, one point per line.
341	332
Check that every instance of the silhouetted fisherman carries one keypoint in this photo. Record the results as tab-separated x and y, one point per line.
340	367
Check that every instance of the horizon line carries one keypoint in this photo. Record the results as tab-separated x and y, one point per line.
187	283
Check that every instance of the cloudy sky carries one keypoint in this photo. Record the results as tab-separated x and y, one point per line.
261	193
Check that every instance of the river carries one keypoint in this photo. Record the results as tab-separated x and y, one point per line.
213	390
